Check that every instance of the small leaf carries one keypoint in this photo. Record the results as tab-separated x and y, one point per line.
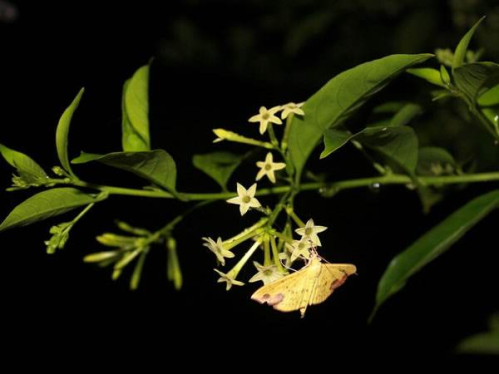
334	139
462	47
432	244
476	78
63	132
174	272
23	163
490	97
444	74
45	205
428	74
218	165
339	98
135	112
155	166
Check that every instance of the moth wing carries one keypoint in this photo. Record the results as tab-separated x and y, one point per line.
330	277
285	294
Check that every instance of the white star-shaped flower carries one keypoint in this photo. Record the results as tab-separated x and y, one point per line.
265	116
299	248
266	274
218	249
268	167
229	279
310	232
292	108
245	199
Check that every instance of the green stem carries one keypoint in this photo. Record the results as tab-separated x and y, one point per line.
266	251
275	255
392	179
273	138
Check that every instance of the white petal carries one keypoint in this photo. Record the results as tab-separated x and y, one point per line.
252	190
235	200
254	203
241	191
318	229
269	158
275	120
263	126
278	165
262	110
243	208
271	176
260	174
256	118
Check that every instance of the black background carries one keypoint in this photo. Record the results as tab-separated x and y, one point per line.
51	50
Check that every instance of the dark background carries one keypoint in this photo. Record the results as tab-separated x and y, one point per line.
215	63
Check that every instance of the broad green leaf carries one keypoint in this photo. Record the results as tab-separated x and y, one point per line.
155	166
135	112
477	78
462	47
397	144
63	132
338	100
389	107
218	165
490	97
45	205
432	244
24	164
428	74
406	114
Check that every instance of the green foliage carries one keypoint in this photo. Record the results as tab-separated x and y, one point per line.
433	244
135	112
477	78
62	133
155	166
483	343
29	172
339	98
47	204
462	47
428	74
218	165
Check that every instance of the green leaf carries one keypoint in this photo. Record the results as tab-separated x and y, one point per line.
432	244
462	47
63	132
476	78
24	164
334	139
45	205
490	97
444	74
406	114
339	99
218	165
484	343
428	74
137	271
396	144
135	112
155	166
434	161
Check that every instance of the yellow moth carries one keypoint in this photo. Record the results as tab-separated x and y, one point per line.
311	285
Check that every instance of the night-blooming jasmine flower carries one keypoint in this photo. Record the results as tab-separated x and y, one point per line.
266	274
265	116
218	249
229	279
268	167
245	199
310	231
299	248
292	108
